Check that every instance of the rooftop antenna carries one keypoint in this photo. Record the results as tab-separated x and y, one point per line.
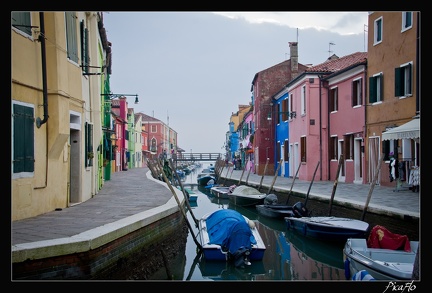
365	30
330	44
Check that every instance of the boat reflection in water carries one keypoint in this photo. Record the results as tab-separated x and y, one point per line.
312	259
226	271
289	255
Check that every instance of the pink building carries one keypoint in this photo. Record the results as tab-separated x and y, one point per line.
328	99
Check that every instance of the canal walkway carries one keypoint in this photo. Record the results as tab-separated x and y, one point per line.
133	197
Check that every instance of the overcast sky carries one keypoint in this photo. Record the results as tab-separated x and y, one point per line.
192	70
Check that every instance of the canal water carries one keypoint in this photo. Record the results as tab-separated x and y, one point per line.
289	256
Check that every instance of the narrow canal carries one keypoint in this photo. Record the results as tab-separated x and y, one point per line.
288	256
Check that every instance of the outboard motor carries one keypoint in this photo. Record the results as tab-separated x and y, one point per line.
270	199
300	210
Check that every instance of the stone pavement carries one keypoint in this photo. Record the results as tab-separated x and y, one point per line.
134	193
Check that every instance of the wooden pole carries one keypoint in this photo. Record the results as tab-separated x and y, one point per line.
184	194
265	171
247	177
310	185
243	172
181	208
372	186
335	184
226	175
275	176
292	183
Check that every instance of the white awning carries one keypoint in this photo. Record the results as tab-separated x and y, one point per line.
409	130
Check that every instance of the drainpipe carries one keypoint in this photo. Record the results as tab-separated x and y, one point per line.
39	122
320	125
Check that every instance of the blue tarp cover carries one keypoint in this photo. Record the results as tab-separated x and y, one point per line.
229	229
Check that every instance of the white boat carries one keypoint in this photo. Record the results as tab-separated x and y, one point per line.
222	191
227	235
380	263
244	195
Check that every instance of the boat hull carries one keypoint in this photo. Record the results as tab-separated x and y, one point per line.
381	264
328	228
203	181
244	195
220	191
275	211
215	251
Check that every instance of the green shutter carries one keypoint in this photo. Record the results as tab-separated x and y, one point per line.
399	82
23	139
21	21
84	48
372	90
71	41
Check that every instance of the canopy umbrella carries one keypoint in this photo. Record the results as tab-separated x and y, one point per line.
409	130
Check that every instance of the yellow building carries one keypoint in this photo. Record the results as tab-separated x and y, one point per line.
392	98
58	65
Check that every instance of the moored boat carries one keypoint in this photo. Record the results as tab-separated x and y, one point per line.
227	235
327	227
384	255
244	195
222	191
272	209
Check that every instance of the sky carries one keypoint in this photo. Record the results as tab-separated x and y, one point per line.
192	70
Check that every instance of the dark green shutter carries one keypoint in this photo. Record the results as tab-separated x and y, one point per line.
23	139
372	90
84	48
21	21
399	81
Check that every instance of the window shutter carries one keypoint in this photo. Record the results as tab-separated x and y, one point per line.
84	48
23	146
72	51
399	82
21	21
372	90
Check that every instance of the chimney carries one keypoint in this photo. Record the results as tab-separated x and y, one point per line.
294	59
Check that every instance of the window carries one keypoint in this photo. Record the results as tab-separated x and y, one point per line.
71	36
23	139
406	20
303	100
278	150
22	22
286	153
291	105
390	146
357	92
89	153
378	24
333	148
85	60
349	146
285	110
376	88
303	148
403	80
333	100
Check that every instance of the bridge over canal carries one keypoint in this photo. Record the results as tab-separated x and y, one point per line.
191	157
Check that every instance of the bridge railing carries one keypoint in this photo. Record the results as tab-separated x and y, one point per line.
196	156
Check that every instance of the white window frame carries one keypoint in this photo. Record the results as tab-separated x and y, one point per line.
378	28
404	23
